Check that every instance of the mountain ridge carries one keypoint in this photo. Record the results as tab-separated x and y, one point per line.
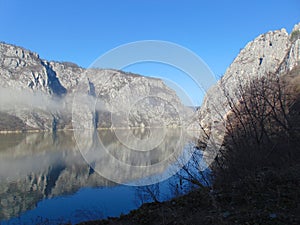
25	73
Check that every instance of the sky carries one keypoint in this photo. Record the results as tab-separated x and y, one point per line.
81	31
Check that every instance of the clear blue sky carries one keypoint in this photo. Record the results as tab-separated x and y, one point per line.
81	31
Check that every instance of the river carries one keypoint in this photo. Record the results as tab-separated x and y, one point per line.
73	177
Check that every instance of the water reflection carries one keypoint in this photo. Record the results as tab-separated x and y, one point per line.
43	165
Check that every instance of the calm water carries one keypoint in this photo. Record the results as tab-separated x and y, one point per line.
45	177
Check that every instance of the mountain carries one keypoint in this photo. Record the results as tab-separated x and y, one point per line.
253	111
274	53
40	95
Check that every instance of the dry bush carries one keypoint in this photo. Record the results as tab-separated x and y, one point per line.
262	128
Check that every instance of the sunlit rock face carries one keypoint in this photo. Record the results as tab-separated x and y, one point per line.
270	54
39	95
35	166
127	100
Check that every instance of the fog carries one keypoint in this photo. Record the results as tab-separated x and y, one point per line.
11	99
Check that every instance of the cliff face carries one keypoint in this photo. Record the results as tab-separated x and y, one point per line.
39	95
271	54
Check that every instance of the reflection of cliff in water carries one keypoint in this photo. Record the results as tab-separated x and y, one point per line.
43	165
37	166
135	154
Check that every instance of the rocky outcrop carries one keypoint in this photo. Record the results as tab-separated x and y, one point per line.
41	95
270	54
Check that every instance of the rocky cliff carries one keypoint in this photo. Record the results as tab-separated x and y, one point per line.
39	95
271	54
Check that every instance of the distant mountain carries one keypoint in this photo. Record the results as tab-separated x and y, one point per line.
39	95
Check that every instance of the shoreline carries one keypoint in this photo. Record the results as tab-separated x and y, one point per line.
98	129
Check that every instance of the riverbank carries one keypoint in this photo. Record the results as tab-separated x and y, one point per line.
98	129
271	197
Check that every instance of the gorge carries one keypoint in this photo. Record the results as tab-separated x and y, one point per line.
38	95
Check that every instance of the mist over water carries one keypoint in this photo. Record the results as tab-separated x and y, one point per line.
11	99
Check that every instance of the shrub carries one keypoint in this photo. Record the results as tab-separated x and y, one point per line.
295	35
262	130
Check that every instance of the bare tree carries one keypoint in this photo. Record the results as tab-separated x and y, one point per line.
260	130
149	193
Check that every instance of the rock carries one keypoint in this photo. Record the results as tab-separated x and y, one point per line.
269	54
40	94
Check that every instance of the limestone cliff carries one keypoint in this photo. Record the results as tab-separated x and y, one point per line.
39	95
271	54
